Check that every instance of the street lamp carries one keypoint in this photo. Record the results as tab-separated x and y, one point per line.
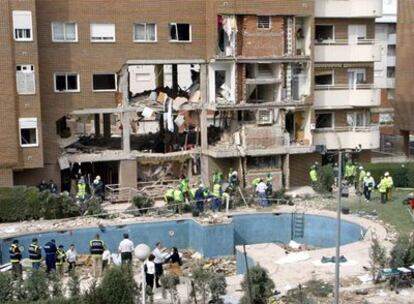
142	252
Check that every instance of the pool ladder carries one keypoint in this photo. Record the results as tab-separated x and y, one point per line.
298	225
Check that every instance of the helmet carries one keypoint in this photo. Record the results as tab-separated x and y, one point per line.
369	174
361	168
387	174
98	178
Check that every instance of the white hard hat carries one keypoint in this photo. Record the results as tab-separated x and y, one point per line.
361	168
98	177
369	174
387	174
234	173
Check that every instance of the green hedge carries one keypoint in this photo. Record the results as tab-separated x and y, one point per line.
402	173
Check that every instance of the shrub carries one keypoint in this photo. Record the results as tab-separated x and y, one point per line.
56	206
36	286
142	201
92	206
402	254
74	284
169	283
19	203
217	285
6	287
118	286
402	173
378	258
261	286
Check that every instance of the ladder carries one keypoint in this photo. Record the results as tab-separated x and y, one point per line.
298	225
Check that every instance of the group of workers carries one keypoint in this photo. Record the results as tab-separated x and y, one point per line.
362	180
263	189
84	191
51	186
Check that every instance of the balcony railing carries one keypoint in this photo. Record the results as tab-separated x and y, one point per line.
344	42
365	50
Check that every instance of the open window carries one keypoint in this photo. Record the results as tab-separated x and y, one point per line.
22	25
180	32
28	132
104	82
324	120
324	33
264	22
324	78
102	32
264	117
25	79
145	32
66	82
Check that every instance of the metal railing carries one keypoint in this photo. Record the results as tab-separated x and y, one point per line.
331	87
345	42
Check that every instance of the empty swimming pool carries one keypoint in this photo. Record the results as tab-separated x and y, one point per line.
209	240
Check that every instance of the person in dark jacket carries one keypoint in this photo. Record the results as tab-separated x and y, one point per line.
52	187
35	254
174	257
50	252
15	259
199	197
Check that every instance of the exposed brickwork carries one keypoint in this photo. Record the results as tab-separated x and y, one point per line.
6	177
299	168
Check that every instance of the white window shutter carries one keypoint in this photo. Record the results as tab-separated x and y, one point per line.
22	19
25	80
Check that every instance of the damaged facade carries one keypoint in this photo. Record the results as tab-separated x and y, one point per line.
153	91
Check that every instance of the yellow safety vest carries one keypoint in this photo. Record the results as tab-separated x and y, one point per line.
313	175
216	190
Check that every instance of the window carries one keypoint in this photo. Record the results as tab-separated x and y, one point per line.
28	132
22	25
324	120
357	33
263	22
386	118
324	77
357	119
391	72
67	82
64	32
25	79
391	94
145	32
102	32
263	162
180	32
356	77
104	82
391	50
325	33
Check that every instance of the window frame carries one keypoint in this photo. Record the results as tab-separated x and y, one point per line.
64	30
28	119
333	120
333	40
102	41
180	41
326	85
34	79
21	12
66	82
264	28
144	41
103	91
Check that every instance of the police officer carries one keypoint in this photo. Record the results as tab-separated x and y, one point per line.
50	251
96	248
60	259
15	259
35	254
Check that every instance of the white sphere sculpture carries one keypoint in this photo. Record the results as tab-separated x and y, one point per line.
142	252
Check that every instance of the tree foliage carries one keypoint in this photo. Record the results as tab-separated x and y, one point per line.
261	286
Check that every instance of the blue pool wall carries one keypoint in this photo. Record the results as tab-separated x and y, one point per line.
210	240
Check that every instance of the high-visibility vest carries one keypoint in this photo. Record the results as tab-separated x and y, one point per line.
60	257
81	190
96	247
349	170
15	254
217	190
389	181
313	175
184	186
382	186
256	181
35	253
169	194
178	196
369	182
217	178
193	192
362	175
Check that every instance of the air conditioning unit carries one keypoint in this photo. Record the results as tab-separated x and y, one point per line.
264	117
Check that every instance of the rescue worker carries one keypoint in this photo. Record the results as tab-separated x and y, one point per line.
96	249
230	175
199	197
349	172
15	259
185	188
35	254
50	255
178	201
81	194
60	260
361	176
255	182
233	180
169	196
368	185
313	175
217	177
98	187
390	185
269	185
217	194
382	188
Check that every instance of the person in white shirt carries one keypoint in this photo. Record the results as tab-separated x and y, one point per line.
160	257
126	247
261	193
71	257
106	259
149	268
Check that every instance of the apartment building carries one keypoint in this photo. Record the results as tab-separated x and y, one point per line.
404	102
384	74
345	92
151	90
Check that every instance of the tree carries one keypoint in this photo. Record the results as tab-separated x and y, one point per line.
402	254
217	285
378	258
118	286
169	283
326	178
261	286
201	278
6	287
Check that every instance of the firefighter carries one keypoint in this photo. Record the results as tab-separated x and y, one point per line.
15	259
368	185
169	196
35	254
81	194
313	175
60	259
185	188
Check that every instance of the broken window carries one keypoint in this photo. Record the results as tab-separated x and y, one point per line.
324	33
25	79
264	117
22	25
102	32
64	32
180	32
263	162
145	32
263	22
28	132
324	120
66	82
324	77
104	82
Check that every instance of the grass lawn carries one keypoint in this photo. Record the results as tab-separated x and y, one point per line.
394	213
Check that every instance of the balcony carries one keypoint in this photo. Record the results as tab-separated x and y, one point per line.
348	8
391	61
348	137
342	97
341	51
392	39
390	83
